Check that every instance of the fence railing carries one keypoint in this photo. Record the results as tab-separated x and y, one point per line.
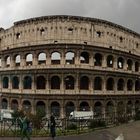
68	126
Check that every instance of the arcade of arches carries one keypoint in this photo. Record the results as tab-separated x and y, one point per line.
71	57
70	82
63	110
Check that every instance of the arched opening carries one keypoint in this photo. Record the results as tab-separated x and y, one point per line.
110	61
15	82
109	108
41	58
137	85
4	103
129	108
120	85
129	64
97	109
120	63
55	82
55	109
14	105
26	106
17	60
98	59
55	58
5	82
137	106
41	82
8	61
69	108
120	108
84	83
129	85
110	84
27	82
84	106
69	82
97	83
29	59
136	66
70	58
84	57
42	31
41	108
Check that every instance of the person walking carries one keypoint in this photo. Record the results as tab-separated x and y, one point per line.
52	126
24	124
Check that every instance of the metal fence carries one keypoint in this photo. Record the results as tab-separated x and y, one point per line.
67	126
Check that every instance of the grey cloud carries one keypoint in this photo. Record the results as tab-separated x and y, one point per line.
123	12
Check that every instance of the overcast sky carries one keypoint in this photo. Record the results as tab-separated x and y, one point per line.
122	12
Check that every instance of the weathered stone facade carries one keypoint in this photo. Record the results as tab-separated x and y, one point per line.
65	63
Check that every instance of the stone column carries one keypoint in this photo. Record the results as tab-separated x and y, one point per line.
23	60
125	107
34	82
115	110
115	63
91	105
77	83
10	82
62	115
9	103
35	59
133	66
115	84
104	61
91	60
12	61
104	84
47	83
76	105
62	87
125	86
20	102
104	110
33	106
125	64
21	82
133	109
91	84
3	63
48	60
133	87
47	109
77	58
62	62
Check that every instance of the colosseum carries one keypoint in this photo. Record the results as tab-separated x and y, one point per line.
65	63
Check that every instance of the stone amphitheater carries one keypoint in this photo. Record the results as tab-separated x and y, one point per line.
65	63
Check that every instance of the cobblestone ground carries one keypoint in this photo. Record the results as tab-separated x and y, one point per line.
130	131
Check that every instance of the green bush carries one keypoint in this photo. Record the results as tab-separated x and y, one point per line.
17	113
97	123
137	115
72	126
36	119
122	119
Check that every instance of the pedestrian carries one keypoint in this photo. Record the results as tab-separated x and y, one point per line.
24	124
52	126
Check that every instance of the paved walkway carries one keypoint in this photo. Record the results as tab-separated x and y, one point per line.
130	131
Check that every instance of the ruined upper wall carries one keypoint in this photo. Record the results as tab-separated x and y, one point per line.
69	29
